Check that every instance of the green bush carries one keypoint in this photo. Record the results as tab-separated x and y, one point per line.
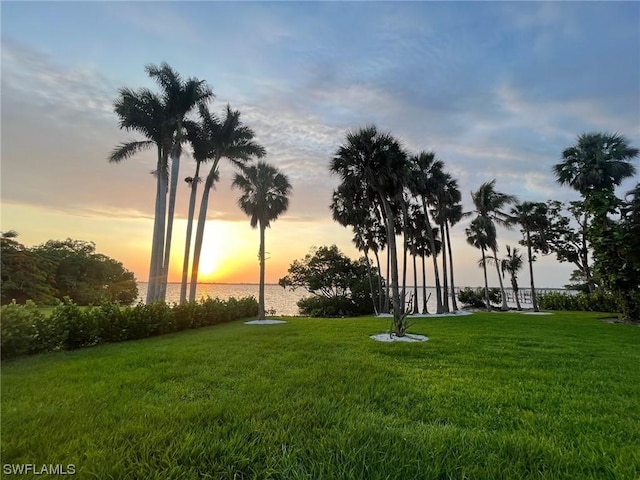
26	330
18	328
475	298
585	302
343	306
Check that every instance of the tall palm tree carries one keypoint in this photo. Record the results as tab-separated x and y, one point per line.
489	205
376	163
598	162
265	196
199	141
179	97
424	181
512	265
159	118
144	112
532	218
228	139
481	234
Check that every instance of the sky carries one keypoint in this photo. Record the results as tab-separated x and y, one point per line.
495	89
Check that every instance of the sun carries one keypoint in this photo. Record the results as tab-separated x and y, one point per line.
209	264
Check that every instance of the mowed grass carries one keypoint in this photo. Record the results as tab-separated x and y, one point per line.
500	395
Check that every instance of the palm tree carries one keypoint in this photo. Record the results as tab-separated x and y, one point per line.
488	205
598	162
265	196
197	137
144	112
532	218
512	264
376	163
179	97
424	181
481	234
228	139
159	119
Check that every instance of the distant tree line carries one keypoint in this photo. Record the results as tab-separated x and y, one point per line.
56	269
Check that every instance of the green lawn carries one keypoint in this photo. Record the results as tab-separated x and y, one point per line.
500	396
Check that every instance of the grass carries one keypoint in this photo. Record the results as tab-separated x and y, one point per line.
498	395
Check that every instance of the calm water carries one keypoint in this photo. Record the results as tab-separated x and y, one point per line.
276	298
283	302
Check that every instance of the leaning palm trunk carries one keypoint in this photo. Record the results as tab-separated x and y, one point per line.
202	219
398	317
369	274
454	304
261	315
486	281
387	297
175	168
445	282
534	298
187	247
432	245
502	292
380	293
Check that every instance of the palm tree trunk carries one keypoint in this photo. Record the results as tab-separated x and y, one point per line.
187	247
416	309
425	309
514	286
534	298
261	314
380	293
454	304
432	244
373	297
153	264
155	279
175	169
398	317
202	219
502	292
445	282
405	235
388	295
486	281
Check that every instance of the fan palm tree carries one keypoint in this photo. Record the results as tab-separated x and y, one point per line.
265	196
180	97
512	265
377	163
488	205
597	163
532	218
481	234
424	180
228	139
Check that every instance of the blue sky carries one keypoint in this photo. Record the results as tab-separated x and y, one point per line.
497	90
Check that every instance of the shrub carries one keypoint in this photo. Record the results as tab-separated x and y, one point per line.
586	302
26	330
475	298
317	306
18	328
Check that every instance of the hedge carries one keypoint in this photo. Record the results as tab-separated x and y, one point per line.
26	330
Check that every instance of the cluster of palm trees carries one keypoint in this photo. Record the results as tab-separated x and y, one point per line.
166	121
386	193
